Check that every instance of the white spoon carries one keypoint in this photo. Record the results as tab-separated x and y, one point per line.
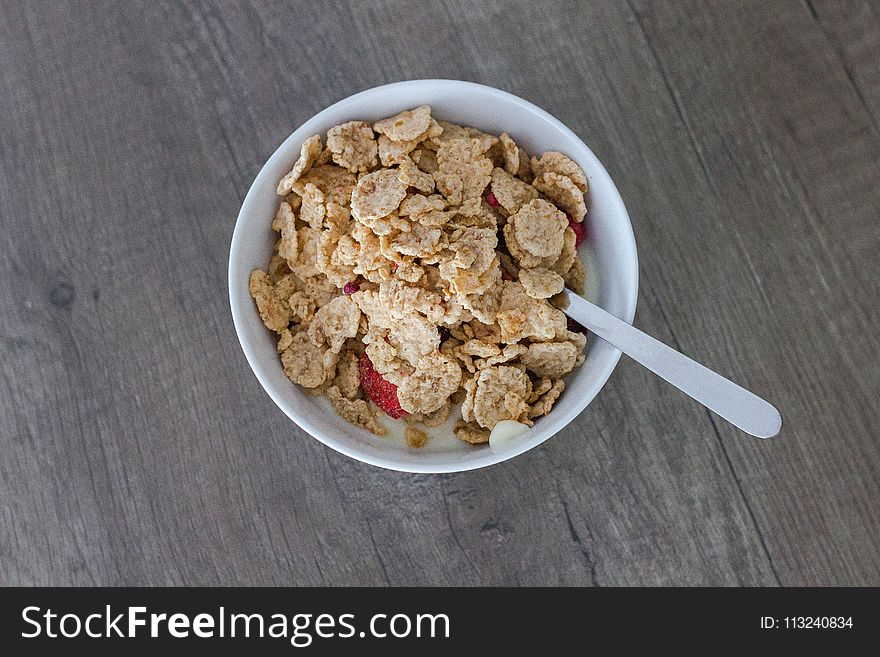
732	402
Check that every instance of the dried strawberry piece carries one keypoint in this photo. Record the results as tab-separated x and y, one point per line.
505	276
351	287
490	199
382	393
574	326
580	230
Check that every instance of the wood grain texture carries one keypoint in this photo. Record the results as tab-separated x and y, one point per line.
137	448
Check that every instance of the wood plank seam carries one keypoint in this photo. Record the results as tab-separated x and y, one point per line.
675	342
592	562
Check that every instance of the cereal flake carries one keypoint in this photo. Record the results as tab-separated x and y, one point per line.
541	283
435	378
555	162
303	361
550	359
411	175
357	411
353	146
272	306
563	192
313	210
335	183
471	432
348	375
377	195
334	323
511	193
308	153
464	159
285	223
511	154
409	124
540	228
500	394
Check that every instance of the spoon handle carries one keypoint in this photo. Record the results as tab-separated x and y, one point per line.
732	402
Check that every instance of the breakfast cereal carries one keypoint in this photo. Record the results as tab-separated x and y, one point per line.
554	162
353	146
418	273
540	282
563	192
309	152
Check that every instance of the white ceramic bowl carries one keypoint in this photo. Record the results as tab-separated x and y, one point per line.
614	262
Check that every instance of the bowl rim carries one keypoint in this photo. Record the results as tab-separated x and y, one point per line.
490	457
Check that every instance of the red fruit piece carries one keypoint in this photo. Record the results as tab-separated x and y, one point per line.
574	326
381	392
351	287
490	199
580	230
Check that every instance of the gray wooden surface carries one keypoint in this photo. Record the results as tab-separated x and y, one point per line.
136	447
